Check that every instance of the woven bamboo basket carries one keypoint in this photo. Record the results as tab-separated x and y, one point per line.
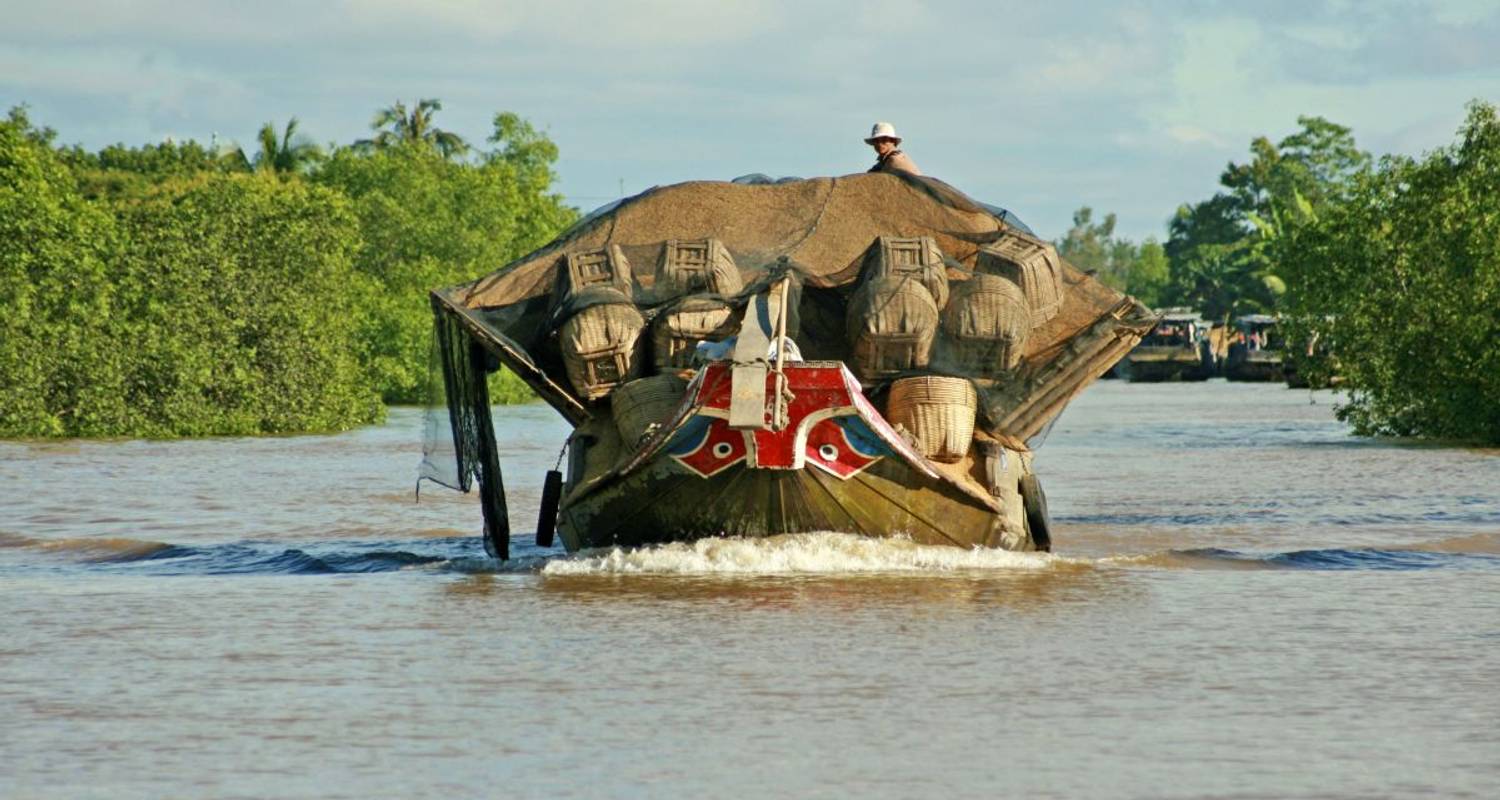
937	411
1033	266
675	334
639	404
918	258
601	347
605	267
984	328
891	324
699	265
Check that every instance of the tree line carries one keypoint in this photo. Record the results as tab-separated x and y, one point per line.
183	289
1385	271
180	288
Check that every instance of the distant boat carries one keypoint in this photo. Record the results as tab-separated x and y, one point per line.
1177	349
940	338
1256	352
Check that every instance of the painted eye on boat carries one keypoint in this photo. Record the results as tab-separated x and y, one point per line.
722	450
828	452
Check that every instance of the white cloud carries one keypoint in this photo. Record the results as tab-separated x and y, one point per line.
1191	134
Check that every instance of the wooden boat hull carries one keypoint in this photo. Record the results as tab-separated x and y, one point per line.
1263	366
654	506
838	466
1159	364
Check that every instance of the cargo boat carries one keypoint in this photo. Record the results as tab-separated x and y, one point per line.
1256	354
873	354
1177	349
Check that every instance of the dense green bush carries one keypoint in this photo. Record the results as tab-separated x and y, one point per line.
218	304
427	220
176	289
57	376
243	305
1402	282
119	173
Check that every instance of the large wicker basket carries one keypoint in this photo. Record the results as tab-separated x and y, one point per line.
917	258
639	404
601	347
985	328
891	325
1033	265
605	267
937	411
675	334
699	265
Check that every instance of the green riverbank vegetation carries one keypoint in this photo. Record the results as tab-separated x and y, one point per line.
1401	280
1389	267
179	289
183	289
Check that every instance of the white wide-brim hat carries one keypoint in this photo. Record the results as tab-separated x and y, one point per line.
883	130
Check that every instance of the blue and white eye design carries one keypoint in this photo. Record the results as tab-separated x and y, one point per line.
690	437
862	439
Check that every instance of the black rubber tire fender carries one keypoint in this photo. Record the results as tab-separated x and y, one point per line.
546	521
1038	524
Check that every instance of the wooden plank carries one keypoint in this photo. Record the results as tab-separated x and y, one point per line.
1072	370
747	399
864	481
1096	367
754	339
747	404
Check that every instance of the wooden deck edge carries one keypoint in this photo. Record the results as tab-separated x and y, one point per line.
513	356
1110	337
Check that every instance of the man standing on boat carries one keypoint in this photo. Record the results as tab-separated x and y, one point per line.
888	158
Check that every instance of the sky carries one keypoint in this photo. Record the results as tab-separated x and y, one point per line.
1126	107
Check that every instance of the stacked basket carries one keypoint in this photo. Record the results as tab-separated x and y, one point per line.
937	411
642	403
601	344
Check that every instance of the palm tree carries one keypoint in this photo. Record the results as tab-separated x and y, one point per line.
395	125
287	155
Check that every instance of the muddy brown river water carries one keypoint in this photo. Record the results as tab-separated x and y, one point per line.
1245	602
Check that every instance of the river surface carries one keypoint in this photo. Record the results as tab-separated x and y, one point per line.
1245	601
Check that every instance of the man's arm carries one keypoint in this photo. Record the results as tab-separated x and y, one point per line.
900	160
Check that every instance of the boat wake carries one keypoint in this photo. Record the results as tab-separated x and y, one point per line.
838	553
796	554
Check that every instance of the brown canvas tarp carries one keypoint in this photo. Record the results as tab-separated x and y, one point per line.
823	227
823	224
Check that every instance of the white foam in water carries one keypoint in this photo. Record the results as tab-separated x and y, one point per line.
793	554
